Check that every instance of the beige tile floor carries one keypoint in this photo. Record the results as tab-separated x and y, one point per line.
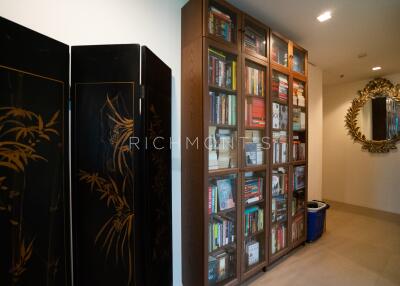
360	247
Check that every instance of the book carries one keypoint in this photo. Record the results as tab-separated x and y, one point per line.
225	195
283	117
254	81
254	112
253	252
253	188
221	70
299	177
253	220
275	115
279	147
254	40
220	24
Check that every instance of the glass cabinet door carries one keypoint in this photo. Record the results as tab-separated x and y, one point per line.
279	50
255	38
299	61
254	114
222	238
298	202
222	22
222	140
299	121
254	218
280	117
279	210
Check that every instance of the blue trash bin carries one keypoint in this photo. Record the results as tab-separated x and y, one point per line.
316	215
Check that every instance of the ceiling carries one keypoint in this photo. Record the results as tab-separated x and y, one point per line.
357	27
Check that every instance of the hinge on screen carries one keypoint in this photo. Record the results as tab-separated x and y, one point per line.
142	91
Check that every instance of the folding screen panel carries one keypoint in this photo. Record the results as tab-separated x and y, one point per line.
34	245
156	81
104	83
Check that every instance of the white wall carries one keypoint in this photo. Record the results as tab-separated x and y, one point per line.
315	119
350	175
154	23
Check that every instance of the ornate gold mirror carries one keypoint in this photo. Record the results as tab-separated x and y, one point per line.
374	116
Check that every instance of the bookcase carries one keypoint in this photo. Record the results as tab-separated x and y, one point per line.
243	162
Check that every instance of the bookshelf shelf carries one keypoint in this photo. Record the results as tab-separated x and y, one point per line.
223	89
237	87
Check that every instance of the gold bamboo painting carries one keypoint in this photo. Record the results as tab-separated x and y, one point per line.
31	204
21	132
112	184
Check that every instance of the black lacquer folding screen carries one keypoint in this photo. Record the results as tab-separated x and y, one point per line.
121	182
34	231
120	163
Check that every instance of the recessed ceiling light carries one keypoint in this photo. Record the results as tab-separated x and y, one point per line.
324	16
376	68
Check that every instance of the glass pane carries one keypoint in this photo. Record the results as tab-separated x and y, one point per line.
222	70
254	147
279	211
222	140
221	228
280	86
221	22
222	151
279	51
254	83
254	218
254	38
298	202
299	61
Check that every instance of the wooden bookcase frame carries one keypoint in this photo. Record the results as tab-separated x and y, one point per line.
195	123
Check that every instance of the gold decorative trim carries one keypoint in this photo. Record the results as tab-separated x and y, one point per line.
375	88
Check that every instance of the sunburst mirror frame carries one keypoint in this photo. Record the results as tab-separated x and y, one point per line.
379	87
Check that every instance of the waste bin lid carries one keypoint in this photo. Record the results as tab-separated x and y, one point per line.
315	206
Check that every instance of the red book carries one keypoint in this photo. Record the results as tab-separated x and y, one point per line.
258	113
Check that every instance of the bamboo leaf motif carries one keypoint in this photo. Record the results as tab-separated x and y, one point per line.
20	132
115	233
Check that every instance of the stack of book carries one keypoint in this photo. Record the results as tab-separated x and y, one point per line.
221	148
254	40
278	238
254	81
219	267
221	72
279	208
280	86
220	24
279	116
252	252
299	149
220	195
299	119
299	177
298	94
280	147
279	183
279	195
253	189
297	228
279	54
298	201
222	108
221	232
253	220
253	147
254	113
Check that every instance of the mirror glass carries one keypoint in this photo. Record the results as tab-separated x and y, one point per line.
379	118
